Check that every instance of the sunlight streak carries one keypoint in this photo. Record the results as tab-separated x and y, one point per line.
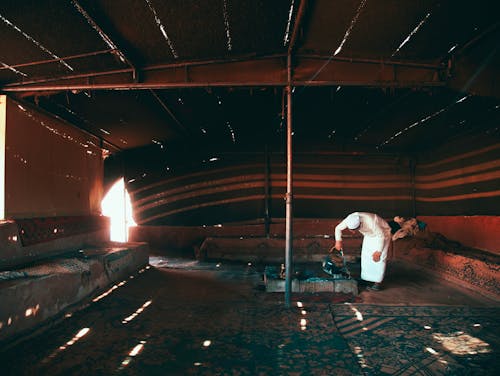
134	352
162	29
460	343
38	44
349	29
414	31
136	313
81	333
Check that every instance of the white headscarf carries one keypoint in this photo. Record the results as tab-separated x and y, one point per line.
352	221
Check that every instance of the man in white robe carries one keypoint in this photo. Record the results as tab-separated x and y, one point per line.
376	239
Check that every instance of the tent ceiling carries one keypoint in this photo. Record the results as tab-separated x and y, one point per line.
385	74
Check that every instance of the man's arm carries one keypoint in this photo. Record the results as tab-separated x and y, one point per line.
338	235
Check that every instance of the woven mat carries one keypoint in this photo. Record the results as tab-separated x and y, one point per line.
425	340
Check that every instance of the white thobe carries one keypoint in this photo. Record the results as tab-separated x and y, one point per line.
376	237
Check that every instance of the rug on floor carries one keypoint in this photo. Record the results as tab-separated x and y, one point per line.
421	340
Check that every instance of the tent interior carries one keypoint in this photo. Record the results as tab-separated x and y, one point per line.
394	108
218	114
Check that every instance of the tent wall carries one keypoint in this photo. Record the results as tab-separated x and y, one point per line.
51	168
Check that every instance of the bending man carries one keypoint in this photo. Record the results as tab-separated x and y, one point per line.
376	239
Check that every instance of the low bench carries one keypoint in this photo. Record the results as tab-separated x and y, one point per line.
50	265
469	267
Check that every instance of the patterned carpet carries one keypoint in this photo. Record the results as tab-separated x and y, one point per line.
187	323
429	340
189	318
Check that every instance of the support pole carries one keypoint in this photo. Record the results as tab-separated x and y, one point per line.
289	196
413	189
267	196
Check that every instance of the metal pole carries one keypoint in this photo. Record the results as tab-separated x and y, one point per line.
289	197
125	228
267	185
413	190
49	61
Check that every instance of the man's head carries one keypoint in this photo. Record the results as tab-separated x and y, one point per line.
352	221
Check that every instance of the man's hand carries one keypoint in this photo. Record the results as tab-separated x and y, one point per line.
376	256
338	245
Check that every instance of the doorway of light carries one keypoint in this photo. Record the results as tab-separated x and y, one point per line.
117	206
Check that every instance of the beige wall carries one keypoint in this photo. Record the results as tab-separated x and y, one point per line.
51	167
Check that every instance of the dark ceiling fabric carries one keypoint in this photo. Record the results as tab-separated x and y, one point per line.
357	70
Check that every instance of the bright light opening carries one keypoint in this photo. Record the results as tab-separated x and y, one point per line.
117	206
